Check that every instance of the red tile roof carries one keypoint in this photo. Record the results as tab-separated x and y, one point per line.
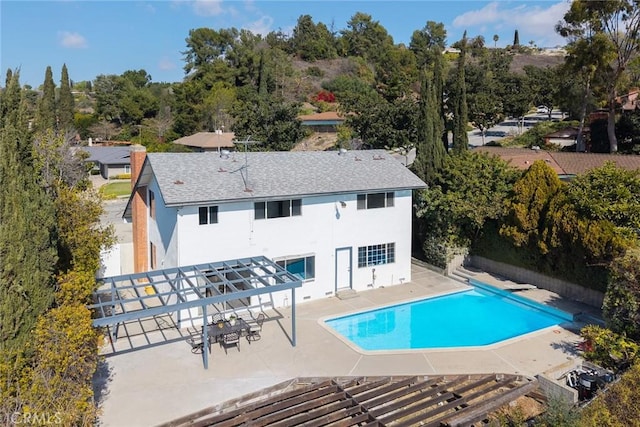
564	163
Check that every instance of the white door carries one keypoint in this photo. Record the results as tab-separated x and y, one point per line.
343	268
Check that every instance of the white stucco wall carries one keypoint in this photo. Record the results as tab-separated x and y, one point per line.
324	226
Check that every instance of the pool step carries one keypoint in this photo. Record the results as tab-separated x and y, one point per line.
346	294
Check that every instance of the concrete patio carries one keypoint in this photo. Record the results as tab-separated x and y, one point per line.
150	375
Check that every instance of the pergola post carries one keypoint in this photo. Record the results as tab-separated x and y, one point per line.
205	338
293	317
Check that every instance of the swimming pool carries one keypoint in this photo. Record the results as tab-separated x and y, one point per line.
479	316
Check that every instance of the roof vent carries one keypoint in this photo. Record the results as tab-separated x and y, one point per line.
342	151
222	170
224	154
178	182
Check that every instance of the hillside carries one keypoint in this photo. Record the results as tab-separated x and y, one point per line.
314	73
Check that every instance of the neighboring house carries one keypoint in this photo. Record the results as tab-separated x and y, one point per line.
322	122
110	160
564	137
629	102
565	164
208	141
339	220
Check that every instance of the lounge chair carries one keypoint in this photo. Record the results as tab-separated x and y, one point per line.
255	329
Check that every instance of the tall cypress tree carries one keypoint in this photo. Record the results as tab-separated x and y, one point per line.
27	228
516	39
65	102
46	113
430	151
460	114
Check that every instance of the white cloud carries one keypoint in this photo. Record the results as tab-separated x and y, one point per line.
166	64
72	40
208	7
262	26
487	14
532	22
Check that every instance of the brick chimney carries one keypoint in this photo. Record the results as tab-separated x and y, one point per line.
139	212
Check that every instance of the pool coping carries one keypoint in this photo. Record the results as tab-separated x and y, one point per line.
568	317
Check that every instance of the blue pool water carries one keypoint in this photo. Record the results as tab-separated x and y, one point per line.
480	316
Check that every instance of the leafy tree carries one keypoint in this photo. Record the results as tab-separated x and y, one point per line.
453	211
398	73
66	357
217	106
616	24
485	108
516	96
46	113
542	224
107	91
80	239
55	162
532	196
559	413
380	123
621	307
424	42
618	197
206	53
103	130
269	121
312	42
459	99
366	38
544	83
65	102
495	40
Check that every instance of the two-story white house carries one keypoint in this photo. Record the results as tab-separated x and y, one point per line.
339	220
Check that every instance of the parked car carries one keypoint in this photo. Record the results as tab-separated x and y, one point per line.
542	109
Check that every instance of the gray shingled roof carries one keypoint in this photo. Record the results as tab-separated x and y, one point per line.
190	178
108	155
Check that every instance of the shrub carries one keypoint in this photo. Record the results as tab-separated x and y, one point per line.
608	349
315	71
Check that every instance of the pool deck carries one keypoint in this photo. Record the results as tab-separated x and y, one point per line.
150	375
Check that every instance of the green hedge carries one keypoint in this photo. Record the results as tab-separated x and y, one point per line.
565	267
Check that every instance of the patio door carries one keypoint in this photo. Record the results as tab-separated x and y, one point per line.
343	269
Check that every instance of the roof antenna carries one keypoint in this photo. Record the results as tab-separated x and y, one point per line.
245	178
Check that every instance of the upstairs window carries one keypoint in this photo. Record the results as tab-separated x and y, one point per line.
375	200
277	208
208	215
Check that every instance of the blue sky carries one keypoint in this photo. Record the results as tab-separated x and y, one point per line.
110	37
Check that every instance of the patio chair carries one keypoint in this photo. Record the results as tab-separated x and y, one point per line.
232	338
218	317
255	328
197	346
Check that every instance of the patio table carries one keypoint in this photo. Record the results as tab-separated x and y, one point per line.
216	332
